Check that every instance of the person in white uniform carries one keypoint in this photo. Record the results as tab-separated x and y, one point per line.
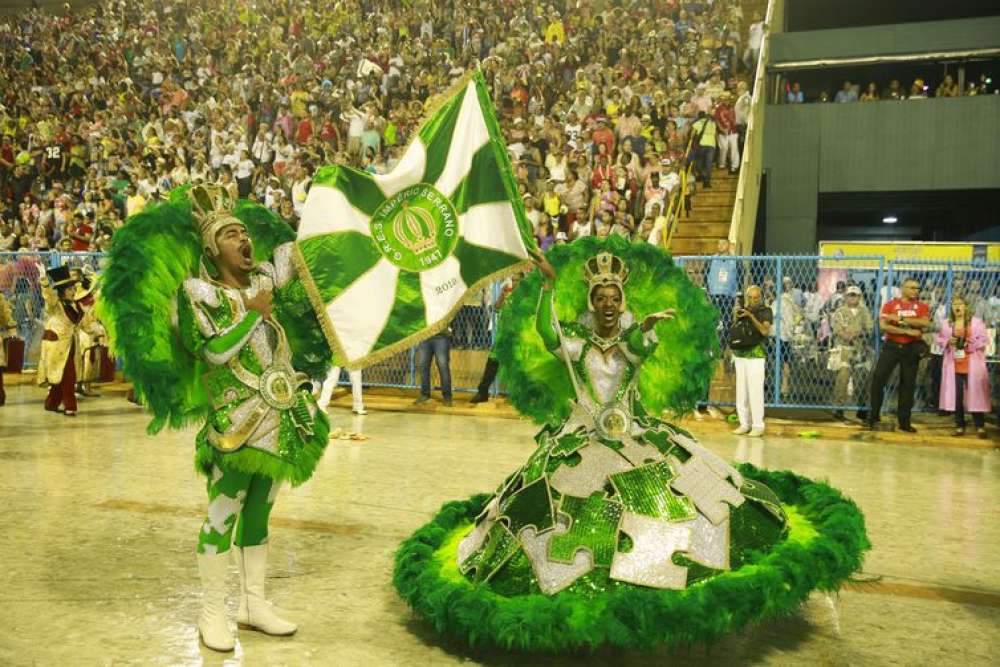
751	327
358	405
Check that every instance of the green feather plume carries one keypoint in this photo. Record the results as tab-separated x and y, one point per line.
674	378
149	259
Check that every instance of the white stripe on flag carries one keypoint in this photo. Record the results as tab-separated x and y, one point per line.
442	287
493	226
408	172
318	214
360	312
469	135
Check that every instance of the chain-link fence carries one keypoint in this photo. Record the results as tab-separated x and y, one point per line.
823	346
470	339
825	338
19	275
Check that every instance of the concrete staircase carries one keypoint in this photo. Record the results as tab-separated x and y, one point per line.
711	212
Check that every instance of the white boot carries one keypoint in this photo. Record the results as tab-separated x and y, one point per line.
213	626
255	612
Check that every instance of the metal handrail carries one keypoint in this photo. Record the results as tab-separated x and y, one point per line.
748	186
673	212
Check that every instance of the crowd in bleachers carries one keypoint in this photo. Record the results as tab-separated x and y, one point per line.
106	108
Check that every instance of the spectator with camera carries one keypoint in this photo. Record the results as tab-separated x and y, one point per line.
903	321
965	383
750	328
852	327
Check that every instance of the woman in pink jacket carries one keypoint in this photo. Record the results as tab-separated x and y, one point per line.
965	384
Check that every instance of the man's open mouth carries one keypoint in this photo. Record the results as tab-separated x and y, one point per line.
246	251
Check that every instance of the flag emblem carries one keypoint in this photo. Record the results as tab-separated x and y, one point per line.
416	229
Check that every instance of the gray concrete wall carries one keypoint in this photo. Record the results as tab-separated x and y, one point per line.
883	40
933	144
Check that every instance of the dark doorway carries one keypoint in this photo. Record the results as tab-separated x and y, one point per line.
939	215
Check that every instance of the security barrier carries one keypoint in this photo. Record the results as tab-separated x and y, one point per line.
19	283
804	355
805	359
471	331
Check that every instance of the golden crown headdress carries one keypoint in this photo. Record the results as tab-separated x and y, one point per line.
604	269
212	206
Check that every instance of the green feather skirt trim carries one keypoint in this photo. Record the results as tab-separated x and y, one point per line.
824	546
295	465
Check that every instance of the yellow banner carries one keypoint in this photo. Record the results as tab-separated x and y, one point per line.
902	251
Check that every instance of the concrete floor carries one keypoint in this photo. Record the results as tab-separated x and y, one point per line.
100	523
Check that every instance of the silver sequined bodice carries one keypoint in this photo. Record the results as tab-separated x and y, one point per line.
605	371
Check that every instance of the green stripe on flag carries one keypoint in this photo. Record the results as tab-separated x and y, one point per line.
336	260
408	316
482	185
506	171
436	136
478	262
358	186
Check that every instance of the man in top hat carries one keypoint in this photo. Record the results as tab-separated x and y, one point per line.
56	365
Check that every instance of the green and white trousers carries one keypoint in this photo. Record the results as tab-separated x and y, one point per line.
238	502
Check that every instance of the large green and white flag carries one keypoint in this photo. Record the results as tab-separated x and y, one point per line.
388	259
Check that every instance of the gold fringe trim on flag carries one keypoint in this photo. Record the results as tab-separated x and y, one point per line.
317	303
437	327
434	103
340	357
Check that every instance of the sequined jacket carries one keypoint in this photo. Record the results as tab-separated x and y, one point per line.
8	327
61	320
259	402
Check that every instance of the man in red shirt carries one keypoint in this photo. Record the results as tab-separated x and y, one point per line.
304	131
6	162
728	137
81	232
903	322
330	134
604	135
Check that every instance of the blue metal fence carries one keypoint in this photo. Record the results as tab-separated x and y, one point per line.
472	329
803	291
